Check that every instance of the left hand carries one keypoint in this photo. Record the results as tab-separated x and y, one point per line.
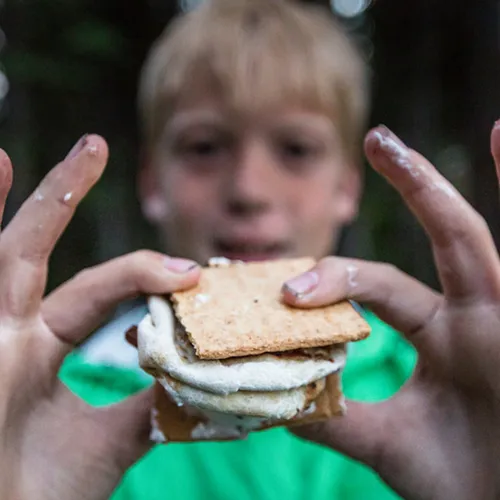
439	436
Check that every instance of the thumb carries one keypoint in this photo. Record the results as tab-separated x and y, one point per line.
359	434
128	424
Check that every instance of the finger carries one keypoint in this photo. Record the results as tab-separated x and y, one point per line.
463	246
38	224
28	240
359	434
76	308
495	147
399	300
5	180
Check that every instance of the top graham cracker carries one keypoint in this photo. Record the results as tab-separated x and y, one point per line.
236	310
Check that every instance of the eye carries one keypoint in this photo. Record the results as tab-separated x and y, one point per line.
203	152
203	148
298	155
297	150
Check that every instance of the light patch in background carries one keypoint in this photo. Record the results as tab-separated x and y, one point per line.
4	82
344	8
4	86
349	8
187	5
3	38
4	90
455	163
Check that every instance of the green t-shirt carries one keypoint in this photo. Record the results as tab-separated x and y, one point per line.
268	465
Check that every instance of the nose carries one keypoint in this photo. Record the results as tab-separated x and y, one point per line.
251	186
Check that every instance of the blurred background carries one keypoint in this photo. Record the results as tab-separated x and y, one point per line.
70	66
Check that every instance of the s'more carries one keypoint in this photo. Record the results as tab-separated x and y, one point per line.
229	357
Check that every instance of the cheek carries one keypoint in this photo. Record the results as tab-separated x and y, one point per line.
314	202
192	200
315	221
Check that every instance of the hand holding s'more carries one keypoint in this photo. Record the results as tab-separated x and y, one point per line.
230	357
436	438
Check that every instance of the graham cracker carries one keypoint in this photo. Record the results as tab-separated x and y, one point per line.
177	425
237	311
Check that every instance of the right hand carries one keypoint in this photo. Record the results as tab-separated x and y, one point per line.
439	436
52	444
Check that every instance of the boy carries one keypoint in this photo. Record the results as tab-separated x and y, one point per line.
253	113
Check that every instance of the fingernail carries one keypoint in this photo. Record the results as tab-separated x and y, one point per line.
303	284
497	124
395	149
80	144
383	130
386	135
179	265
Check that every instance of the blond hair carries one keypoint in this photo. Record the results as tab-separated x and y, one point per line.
257	53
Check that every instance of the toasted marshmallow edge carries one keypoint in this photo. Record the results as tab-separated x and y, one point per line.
219	425
279	405
225	426
156	435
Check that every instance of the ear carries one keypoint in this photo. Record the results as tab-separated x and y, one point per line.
347	198
153	203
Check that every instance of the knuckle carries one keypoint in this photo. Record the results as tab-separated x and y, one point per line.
92	275
480	224
330	260
389	270
433	314
468	228
128	266
22	301
326	261
328	264
140	263
388	275
142	258
84	274
88	275
141	269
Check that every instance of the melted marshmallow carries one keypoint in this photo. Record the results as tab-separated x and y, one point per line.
222	425
278	405
156	435
272	388
266	373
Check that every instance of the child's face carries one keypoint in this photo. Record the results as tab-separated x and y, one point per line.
249	185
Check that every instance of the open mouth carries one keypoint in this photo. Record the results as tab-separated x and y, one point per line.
249	251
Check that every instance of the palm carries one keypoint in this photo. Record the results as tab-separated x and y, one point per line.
440	433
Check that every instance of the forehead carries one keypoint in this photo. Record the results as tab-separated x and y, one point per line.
256	90
216	113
